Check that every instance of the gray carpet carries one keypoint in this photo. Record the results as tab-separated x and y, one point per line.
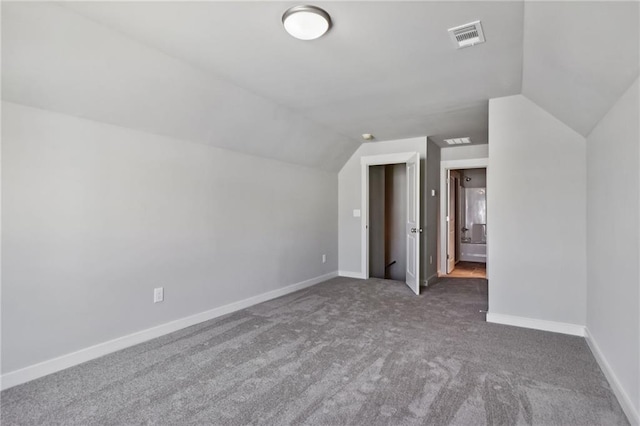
342	352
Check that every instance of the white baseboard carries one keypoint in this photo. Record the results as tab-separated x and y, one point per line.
45	368
350	274
618	390
536	324
432	279
479	258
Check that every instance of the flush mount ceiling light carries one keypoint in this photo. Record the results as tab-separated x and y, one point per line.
306	22
368	136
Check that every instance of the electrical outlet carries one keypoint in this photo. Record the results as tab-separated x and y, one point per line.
324	258
158	294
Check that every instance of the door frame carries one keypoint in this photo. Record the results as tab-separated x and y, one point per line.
445	166
366	162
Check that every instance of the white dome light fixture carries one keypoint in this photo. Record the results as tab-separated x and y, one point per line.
306	22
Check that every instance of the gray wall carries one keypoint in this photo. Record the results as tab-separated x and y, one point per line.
536	201
478	178
95	216
350	198
613	239
464	152
433	208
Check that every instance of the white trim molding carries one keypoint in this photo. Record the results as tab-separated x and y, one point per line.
350	274
623	397
54	365
537	324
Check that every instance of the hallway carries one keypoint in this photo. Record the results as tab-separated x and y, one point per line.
469	270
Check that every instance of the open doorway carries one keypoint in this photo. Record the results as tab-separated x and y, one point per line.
410	161
465	225
387	213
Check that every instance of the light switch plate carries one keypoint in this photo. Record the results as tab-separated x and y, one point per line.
158	294
356	213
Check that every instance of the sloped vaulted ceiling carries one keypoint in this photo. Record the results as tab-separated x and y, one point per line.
228	75
580	57
55	59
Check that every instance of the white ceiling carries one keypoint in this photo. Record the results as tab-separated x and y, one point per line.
201	71
53	58
580	57
228	75
384	67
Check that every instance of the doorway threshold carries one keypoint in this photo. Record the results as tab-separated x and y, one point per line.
468	270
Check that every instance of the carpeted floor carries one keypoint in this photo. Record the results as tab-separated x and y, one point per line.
341	352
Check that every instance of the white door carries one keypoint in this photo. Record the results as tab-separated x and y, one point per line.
413	223
451	221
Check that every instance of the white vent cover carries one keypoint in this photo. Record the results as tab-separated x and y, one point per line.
467	35
458	141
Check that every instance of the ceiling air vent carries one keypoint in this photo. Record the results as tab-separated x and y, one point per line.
458	141
467	35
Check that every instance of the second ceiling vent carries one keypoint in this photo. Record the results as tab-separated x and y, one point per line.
467	35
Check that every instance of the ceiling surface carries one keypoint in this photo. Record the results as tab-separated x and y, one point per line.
580	57
228	75
384	68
